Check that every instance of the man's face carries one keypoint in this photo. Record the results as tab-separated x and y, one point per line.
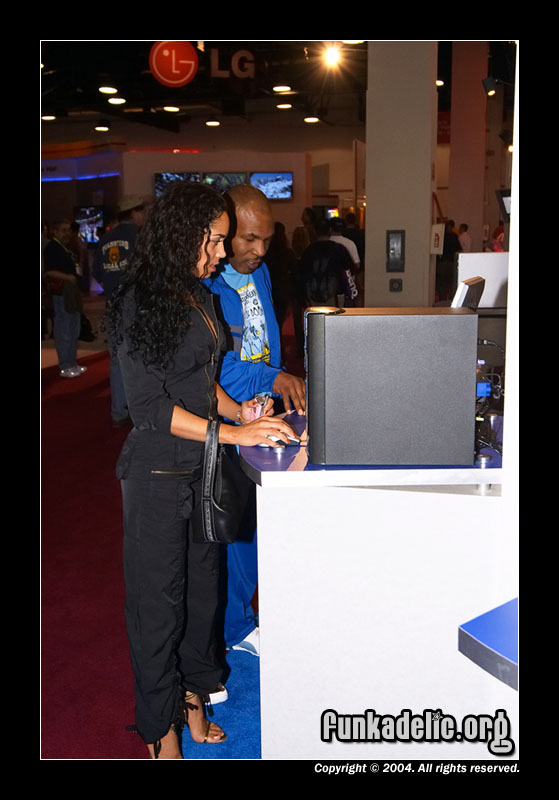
252	238
139	216
63	232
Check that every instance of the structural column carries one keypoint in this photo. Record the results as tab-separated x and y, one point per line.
401	157
467	138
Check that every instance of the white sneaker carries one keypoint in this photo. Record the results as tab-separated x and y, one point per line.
70	372
220	696
251	644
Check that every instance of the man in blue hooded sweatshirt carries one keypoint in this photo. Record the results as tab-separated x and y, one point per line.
252	367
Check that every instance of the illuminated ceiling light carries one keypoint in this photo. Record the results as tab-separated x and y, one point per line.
117	101
439	82
107	90
332	56
103	125
48	117
213	123
353	41
312	119
490	86
281	88
171	108
284	105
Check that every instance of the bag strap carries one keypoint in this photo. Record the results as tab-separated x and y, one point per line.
210	459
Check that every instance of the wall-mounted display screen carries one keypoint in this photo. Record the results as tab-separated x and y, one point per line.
221	181
163	179
503	198
275	185
90	220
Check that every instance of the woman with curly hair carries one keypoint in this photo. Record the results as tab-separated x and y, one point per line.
169	341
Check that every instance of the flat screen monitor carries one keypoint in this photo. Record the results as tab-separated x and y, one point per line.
90	220
221	181
503	198
468	294
163	179
275	185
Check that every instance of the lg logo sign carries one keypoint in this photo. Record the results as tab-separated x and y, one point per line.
176	63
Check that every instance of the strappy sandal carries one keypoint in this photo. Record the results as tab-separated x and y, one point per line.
176	728
189	705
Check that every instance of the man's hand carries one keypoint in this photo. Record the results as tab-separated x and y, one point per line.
292	390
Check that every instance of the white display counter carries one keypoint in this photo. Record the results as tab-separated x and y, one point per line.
365	576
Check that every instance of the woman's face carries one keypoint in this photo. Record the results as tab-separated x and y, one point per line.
212	249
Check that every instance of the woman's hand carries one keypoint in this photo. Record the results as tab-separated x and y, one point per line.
258	432
252	409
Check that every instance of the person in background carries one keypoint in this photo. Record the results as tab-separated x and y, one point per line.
304	234
337	234
252	366
281	263
112	258
323	270
79	249
62	280
447	274
353	231
464	238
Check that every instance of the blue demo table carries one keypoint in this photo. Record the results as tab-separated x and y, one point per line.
491	641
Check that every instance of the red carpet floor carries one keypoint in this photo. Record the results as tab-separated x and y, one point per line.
86	679
86	683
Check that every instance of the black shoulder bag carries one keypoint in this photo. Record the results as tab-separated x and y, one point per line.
218	514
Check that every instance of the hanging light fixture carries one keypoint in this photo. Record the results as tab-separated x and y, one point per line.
490	86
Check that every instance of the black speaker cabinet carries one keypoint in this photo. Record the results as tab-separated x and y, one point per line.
391	386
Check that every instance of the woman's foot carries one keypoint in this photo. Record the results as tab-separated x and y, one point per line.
167	747
201	729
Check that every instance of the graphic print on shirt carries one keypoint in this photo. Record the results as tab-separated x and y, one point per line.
114	257
255	345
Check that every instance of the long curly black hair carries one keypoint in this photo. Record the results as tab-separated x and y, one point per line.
162	271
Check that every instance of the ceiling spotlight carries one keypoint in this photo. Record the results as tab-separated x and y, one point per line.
107	90
213	123
490	86
353	41
312	119
332	56
117	101
171	108
284	105
439	82
48	117
282	88
103	125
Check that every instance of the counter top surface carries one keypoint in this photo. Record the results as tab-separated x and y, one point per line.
269	466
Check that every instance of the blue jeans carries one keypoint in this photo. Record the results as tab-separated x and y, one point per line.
242	578
66	332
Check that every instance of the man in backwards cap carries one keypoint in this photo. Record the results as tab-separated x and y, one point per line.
111	259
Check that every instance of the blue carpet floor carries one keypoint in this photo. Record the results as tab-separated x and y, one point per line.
239	716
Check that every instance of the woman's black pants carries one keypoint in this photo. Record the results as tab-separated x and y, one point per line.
171	600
